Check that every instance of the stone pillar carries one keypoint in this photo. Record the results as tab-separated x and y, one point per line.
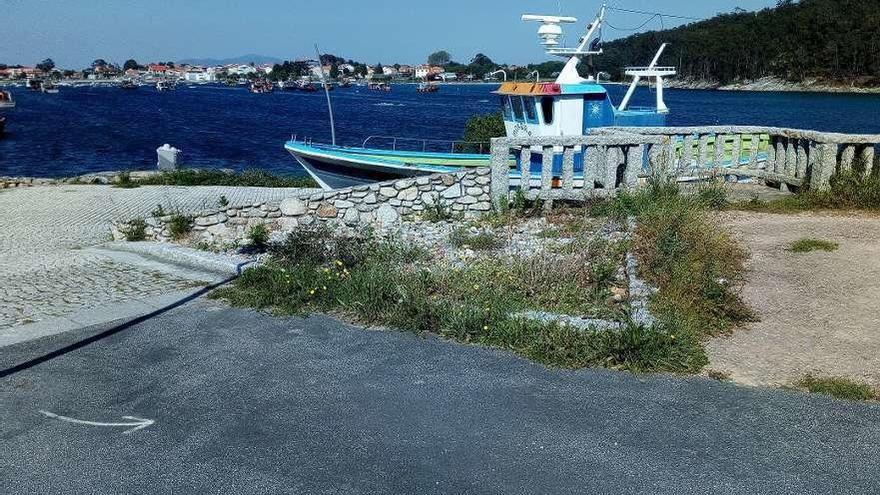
753	152
790	159
847	158
547	168
824	167
770	164
781	156
736	153
500	177
612	161
568	169
703	152
719	151
801	169
687	153
634	156
868	153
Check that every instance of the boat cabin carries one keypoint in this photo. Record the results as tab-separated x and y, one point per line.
552	109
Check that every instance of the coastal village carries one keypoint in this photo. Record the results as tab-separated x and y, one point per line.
535	281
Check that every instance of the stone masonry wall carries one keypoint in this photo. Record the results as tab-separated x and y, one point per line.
380	205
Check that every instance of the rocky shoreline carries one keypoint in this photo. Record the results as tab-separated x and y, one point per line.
772	84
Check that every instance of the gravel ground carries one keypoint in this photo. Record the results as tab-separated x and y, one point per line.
818	310
46	233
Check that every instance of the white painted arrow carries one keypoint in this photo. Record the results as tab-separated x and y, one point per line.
135	424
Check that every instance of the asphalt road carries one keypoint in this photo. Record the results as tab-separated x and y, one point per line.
247	403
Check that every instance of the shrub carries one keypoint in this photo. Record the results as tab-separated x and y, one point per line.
483	240
838	387
258	235
135	231
223	202
438	211
179	226
159	211
807	245
124	181
480	129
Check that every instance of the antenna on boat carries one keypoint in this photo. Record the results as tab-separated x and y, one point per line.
651	70
327	93
550	33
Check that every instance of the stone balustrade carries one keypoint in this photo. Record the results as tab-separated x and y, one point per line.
787	157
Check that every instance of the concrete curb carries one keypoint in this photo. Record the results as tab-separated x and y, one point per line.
184	256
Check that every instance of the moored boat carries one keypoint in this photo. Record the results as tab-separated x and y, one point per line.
166	85
2	126
48	87
33	84
6	100
128	84
307	86
261	87
428	88
569	106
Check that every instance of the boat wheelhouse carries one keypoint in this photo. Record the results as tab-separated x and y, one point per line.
569	106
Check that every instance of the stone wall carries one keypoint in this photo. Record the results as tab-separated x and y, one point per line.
381	205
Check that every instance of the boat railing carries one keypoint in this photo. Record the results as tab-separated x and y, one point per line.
612	159
397	143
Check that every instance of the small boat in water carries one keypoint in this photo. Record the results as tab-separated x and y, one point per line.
49	88
166	85
34	84
428	88
6	100
2	126
307	86
127	84
261	87
382	86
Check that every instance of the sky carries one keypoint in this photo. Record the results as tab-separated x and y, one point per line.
75	32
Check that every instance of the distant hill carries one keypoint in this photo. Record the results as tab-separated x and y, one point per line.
832	41
244	59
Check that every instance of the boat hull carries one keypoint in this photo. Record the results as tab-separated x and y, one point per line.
2	126
335	167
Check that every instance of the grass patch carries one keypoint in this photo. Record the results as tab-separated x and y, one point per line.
464	237
386	283
179	226
837	387
696	263
135	231
258	235
207	177
807	245
124	181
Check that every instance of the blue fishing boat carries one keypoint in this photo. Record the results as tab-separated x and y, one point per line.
571	105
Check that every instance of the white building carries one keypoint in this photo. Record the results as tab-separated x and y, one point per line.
241	70
200	75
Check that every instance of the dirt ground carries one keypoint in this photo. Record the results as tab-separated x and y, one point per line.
819	311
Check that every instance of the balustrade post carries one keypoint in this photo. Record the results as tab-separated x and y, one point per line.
719	151
801	167
847	158
868	153
687	153
703	152
634	156
770	164
500	163
547	169
790	159
525	168
753	152
824	167
612	161
736	153
591	166
568	170
781	156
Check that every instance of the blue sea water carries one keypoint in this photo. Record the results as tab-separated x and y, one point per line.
93	129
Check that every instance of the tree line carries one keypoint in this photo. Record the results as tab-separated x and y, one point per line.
830	40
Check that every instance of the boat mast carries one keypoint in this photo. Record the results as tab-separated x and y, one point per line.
327	93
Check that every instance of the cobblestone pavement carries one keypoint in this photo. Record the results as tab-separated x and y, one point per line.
46	265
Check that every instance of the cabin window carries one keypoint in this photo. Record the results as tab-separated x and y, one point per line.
547	109
505	108
531	110
517	107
